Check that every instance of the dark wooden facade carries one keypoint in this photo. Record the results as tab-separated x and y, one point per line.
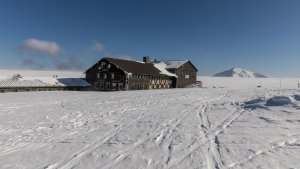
106	76
111	74
186	74
30	89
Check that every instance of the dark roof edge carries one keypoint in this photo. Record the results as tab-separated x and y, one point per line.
193	65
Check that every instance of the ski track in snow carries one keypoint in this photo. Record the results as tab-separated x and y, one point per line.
179	128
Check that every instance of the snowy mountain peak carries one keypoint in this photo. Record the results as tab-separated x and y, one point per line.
239	72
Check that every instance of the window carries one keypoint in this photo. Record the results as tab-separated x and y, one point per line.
112	75
113	86
187	76
107	86
104	76
120	86
132	87
101	85
108	66
96	85
98	75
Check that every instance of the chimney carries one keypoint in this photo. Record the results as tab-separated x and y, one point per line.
146	59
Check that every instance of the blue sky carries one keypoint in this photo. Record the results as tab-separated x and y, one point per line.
258	35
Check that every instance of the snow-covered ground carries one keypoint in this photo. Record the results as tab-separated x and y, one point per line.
211	128
249	83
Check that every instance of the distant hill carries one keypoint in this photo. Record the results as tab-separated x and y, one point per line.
242	73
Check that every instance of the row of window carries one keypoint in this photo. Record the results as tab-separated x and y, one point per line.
148	77
139	87
166	86
27	90
112	76
102	65
146	86
160	81
187	74
109	86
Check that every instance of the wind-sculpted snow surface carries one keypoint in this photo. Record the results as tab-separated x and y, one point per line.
178	128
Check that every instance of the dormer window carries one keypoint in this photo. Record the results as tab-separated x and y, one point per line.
108	66
112	75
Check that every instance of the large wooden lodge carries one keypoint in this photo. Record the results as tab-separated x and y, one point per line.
111	74
108	74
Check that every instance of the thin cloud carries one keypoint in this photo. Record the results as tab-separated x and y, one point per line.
42	54
96	46
32	63
72	63
97	49
39	47
125	57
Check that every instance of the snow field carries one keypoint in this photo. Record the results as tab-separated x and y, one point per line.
249	83
177	128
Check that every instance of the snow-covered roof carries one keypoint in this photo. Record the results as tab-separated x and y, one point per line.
130	66
28	82
32	78
174	64
162	67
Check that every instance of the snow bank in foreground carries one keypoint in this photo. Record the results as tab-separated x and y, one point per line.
273	101
178	128
297	97
278	101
